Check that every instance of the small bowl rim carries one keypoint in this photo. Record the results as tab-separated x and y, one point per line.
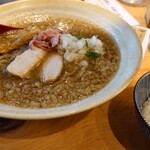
135	100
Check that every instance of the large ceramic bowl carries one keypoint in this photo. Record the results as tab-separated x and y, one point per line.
123	34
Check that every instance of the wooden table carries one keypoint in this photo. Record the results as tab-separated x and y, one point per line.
111	126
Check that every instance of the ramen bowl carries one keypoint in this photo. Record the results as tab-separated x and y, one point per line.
124	36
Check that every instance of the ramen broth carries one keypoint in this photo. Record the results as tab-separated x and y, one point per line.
76	82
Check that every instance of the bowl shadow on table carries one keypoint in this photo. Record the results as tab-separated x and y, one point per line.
41	128
124	124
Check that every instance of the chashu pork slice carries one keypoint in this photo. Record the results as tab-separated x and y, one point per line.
51	68
27	61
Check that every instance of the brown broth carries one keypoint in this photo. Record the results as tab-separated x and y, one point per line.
75	83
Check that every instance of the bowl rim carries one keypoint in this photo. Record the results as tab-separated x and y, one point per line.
135	99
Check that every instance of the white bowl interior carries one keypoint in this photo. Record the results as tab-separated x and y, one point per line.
123	34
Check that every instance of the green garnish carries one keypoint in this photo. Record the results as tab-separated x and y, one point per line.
79	37
92	54
86	43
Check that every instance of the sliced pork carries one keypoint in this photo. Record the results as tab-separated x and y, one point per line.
27	61
46	40
51	67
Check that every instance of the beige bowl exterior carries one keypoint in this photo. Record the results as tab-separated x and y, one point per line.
125	37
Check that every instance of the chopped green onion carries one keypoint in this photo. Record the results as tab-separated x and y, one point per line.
79	37
92	54
86	43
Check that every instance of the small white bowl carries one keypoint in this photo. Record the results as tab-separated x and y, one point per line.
123	34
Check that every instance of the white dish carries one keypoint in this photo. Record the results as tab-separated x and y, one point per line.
129	45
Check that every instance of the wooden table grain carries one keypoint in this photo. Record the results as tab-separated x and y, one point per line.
111	126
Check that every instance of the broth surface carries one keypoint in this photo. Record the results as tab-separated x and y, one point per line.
75	82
